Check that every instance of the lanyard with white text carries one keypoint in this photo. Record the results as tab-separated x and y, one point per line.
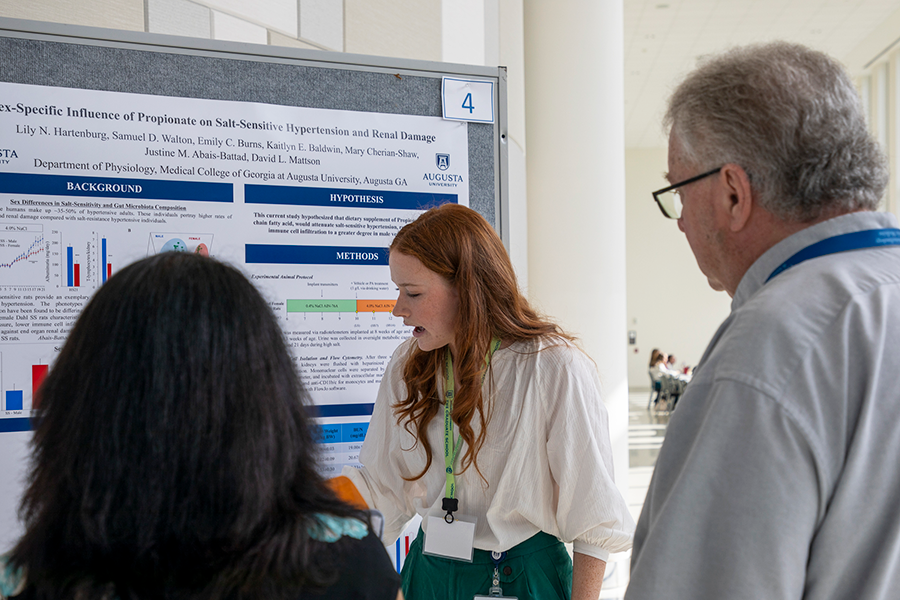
451	449
870	238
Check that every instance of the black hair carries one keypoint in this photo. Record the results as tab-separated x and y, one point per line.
174	457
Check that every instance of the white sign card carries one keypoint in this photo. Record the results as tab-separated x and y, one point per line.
468	100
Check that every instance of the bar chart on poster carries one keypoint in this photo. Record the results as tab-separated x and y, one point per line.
22	370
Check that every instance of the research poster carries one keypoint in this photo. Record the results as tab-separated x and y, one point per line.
304	201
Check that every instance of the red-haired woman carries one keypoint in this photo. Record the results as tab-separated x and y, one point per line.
489	424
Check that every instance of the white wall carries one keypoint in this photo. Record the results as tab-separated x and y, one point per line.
396	28
670	305
114	14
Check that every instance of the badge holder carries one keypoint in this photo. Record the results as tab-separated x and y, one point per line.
495	592
451	535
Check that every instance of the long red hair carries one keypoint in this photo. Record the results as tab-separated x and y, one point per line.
460	245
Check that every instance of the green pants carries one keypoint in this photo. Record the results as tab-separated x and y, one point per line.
539	568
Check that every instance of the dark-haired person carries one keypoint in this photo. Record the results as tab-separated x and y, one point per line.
671	363
488	412
174	457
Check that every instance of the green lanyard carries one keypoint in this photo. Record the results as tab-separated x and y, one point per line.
451	448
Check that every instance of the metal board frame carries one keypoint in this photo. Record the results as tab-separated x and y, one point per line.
421	73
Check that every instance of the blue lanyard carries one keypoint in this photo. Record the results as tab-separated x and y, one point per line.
870	238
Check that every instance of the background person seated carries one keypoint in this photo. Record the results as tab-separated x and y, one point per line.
672	383
174	458
657	363
672	366
656	373
671	363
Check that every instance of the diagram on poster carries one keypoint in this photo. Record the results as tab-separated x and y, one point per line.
200	243
304	201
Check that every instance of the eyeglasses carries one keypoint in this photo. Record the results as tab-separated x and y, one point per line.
669	199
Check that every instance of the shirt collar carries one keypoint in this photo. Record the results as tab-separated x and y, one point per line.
759	271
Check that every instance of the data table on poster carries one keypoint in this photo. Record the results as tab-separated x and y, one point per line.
340	445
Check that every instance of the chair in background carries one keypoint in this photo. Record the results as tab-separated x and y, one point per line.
656	392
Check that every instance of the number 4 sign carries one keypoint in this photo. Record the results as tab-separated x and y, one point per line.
468	100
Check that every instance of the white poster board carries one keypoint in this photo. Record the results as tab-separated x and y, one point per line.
305	201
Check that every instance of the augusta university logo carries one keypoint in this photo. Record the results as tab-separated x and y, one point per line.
442	179
6	154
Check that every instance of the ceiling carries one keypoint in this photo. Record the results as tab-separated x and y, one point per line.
664	38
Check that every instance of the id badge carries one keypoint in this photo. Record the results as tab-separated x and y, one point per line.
454	540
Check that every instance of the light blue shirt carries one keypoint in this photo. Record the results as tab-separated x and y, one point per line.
778	477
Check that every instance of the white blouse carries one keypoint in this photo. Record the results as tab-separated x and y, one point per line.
547	457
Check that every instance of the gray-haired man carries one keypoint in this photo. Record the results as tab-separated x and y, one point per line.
779	475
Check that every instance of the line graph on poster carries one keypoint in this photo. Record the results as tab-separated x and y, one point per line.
24	257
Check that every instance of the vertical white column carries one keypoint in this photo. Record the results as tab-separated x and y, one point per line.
462	31
512	55
489	32
574	114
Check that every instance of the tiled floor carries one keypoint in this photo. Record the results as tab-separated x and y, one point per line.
646	431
